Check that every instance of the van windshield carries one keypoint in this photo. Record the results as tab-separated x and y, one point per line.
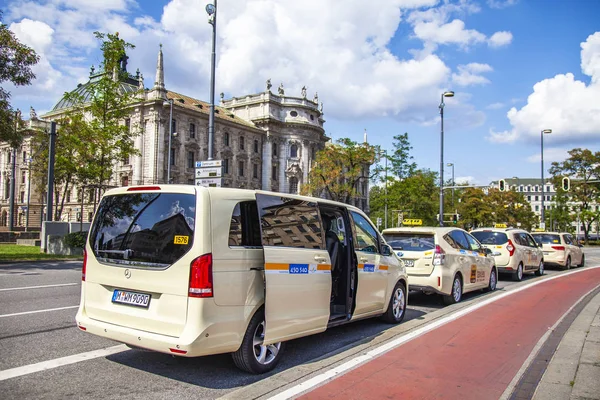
144	229
410	241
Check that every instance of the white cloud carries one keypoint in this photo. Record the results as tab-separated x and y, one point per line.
501	3
470	74
567	106
500	39
550	155
495	106
465	180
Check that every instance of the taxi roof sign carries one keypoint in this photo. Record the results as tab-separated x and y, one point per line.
500	226
412	222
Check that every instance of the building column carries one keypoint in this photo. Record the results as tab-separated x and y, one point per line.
283	185
267	161
305	144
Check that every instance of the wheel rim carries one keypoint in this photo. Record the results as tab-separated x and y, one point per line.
493	280
541	268
399	303
264	354
456	290
520	272
568	263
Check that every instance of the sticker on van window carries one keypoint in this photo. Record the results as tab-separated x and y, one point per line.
555	241
181	239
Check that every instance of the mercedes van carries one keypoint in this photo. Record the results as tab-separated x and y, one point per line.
192	271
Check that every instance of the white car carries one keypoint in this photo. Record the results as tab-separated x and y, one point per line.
443	260
515	250
560	249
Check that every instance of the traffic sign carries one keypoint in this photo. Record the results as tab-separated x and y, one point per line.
211	163
209	182
208	172
412	222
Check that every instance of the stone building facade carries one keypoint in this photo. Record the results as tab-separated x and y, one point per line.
266	140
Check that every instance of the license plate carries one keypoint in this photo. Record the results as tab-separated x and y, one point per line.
131	298
409	263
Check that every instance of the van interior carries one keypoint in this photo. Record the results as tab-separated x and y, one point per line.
344	264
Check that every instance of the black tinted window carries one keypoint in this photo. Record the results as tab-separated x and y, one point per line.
410	241
290	222
366	235
141	228
457	240
244	229
489	237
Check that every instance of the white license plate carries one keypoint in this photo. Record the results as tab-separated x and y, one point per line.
131	298
409	263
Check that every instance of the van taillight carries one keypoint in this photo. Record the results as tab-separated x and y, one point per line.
439	255
83	268
201	277
559	248
510	247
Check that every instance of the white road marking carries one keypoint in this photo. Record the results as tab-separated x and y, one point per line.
370	355
37	311
59	362
39	287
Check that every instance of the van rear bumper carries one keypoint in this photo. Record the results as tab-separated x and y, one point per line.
199	343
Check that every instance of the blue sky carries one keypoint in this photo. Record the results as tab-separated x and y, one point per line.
516	66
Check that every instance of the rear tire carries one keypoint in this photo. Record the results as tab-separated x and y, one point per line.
540	270
518	274
397	306
568	264
493	281
253	356
457	291
582	261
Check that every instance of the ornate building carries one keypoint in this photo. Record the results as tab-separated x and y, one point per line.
266	141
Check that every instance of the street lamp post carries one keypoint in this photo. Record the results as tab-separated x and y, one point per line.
28	193
544	131
453	184
384	152
441	217
170	103
211	10
13	173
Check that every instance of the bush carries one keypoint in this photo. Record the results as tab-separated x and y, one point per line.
76	239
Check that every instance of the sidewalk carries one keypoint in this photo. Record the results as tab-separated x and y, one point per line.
574	371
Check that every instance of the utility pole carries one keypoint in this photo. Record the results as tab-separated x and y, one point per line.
51	152
13	177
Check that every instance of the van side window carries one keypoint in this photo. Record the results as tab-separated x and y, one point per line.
244	229
366	235
457	240
290	223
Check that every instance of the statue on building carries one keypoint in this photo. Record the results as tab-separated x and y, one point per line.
303	92
280	90
222	95
321	108
269	85
32	114
92	70
141	81
316	98
123	62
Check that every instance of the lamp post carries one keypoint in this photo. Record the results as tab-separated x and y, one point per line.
453	184
543	220
13	173
170	104
211	10
445	94
384	152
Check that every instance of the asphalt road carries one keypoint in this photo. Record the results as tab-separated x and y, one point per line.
28	337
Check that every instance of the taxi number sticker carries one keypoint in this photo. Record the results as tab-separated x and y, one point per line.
369	268
298	269
473	273
181	239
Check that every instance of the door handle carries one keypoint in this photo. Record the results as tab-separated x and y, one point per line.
320	259
462	259
364	259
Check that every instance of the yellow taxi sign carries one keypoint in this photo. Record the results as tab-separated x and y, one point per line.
539	230
412	222
500	226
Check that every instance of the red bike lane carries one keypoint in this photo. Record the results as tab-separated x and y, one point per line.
473	357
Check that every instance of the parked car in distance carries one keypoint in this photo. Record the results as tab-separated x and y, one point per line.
192	271
560	249
444	260
515	250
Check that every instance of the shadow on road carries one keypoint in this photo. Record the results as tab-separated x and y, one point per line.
32	267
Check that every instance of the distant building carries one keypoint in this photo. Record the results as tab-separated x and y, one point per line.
267	141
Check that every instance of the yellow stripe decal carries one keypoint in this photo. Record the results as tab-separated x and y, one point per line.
383	267
323	267
277	267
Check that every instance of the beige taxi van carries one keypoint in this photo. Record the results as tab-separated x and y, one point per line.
443	260
193	271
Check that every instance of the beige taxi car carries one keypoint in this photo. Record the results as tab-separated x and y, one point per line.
443	260
515	250
192	271
560	249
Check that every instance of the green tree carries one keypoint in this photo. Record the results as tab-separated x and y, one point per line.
16	61
338	170
402	167
559	215
583	167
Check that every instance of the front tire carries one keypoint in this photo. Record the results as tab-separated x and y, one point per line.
568	263
540	270
493	280
582	261
518	274
457	291
397	306
253	356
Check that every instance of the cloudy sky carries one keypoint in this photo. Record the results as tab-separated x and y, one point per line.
516	66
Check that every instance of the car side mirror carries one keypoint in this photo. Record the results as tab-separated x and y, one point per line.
386	250
487	251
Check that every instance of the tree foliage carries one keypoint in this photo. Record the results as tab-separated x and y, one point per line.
583	168
16	60
402	166
338	169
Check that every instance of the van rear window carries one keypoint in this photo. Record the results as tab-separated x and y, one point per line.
410	241
490	237
151	229
546	238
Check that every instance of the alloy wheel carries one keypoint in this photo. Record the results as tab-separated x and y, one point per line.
264	354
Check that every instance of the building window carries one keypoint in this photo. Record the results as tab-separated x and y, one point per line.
241	168
528	198
226	166
256	146
537	208
128	124
255	171
294	113
172	156
547	188
537	198
68	196
125	180
226	138
23	176
274	148
191	159
24	157
192	131
241	143
173	125
293	185
274	172
294	151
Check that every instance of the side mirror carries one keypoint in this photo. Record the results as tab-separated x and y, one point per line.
386	250
487	251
